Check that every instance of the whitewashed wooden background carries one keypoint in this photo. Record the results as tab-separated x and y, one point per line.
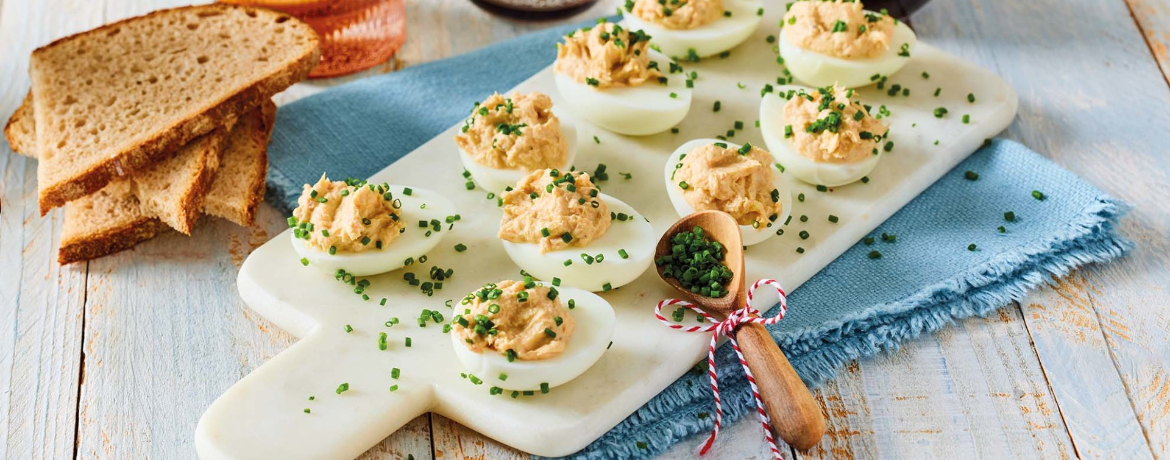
117	358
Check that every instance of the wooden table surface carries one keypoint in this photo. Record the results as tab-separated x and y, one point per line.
117	358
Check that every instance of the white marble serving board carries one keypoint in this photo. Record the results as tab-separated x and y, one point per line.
262	417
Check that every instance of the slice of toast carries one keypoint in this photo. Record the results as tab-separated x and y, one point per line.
21	129
113	219
103	223
113	100
173	189
232	196
239	185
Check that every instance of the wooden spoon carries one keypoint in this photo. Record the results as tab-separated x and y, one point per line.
795	414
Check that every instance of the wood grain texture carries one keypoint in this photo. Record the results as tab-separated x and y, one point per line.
1066	331
1079	91
40	302
974	388
165	332
1153	19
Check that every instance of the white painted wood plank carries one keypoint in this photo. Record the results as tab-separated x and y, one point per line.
1093	100
1153	17
974	388
40	302
1067	333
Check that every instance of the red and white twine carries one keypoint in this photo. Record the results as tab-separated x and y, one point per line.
727	328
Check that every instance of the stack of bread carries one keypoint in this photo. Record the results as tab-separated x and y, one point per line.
148	123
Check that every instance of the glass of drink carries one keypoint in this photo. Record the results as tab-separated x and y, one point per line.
355	34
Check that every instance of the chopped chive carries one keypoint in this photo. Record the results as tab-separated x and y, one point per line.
342	388
971	175
1038	195
875	254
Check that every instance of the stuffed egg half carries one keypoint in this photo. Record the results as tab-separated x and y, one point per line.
827	43
506	137
524	336
693	29
741	180
559	228
610	77
821	136
366	229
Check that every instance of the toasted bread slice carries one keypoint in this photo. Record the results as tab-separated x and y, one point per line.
239	185
111	101
103	223
172	189
21	129
114	219
232	195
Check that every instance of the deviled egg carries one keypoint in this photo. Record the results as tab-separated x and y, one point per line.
709	174
559	228
506	137
364	228
822	136
693	29
525	336
610	76
838	43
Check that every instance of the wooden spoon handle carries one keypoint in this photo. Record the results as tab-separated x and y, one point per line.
795	415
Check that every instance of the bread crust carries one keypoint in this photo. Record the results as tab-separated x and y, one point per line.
192	205
110	241
268	112
20	129
168	139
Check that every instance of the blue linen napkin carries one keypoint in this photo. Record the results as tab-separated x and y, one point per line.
855	307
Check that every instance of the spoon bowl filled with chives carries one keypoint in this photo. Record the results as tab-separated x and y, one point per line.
701	256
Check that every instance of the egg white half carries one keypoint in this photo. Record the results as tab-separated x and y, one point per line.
632	110
721	35
591	336
410	244
635	235
821	70
750	235
495	180
814	172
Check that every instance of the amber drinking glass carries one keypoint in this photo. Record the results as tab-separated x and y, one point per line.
355	34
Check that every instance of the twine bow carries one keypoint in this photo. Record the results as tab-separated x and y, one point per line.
727	328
